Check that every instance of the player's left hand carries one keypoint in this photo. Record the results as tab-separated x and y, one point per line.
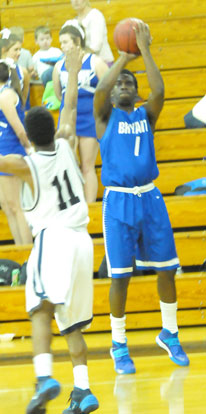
143	36
74	58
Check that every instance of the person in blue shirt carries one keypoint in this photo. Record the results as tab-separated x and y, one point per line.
135	219
10	47
13	140
93	68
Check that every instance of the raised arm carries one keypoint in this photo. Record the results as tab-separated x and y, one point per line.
56	82
156	98
67	128
16	165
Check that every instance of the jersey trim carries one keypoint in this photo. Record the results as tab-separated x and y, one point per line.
36	184
76	326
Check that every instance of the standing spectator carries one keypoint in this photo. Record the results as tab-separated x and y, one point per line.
58	214
46	57
136	222
95	27
10	47
93	68
13	139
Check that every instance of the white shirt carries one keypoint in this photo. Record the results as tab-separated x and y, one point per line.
58	190
96	35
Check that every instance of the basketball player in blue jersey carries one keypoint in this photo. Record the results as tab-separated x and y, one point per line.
135	219
60	267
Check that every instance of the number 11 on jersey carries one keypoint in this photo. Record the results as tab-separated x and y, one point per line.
137	145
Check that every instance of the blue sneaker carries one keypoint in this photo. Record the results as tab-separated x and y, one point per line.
123	364
48	390
82	402
171	344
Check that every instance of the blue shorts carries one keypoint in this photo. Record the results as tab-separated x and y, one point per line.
137	226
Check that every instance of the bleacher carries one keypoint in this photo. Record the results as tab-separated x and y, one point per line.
178	47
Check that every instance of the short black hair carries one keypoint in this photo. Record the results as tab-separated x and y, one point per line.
128	72
39	126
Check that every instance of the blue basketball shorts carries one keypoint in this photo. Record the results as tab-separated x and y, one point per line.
137	226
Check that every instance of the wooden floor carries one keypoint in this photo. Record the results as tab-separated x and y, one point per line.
158	387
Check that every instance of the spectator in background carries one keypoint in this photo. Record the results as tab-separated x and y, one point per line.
95	27
46	57
25	58
93	68
13	141
196	118
10	47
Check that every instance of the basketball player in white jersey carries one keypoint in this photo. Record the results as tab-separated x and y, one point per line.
60	267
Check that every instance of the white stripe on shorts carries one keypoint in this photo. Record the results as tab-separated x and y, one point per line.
167	263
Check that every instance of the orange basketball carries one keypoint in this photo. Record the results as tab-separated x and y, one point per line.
124	36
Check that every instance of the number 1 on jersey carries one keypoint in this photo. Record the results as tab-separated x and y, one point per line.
137	145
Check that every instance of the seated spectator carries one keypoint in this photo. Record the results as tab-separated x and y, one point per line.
46	57
196	118
95	27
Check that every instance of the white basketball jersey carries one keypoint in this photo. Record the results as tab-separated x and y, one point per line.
58	190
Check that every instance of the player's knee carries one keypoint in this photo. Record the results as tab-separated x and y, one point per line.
87	168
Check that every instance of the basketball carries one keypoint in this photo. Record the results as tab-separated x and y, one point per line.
124	36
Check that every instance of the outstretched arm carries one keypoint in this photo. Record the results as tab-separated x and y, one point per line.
67	128
16	165
156	98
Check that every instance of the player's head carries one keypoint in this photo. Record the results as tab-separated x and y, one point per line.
71	33
125	89
39	125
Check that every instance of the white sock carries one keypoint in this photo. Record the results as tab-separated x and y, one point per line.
43	365
118	329
81	379
169	316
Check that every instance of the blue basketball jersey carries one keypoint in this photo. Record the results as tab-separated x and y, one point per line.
87	82
127	150
9	142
